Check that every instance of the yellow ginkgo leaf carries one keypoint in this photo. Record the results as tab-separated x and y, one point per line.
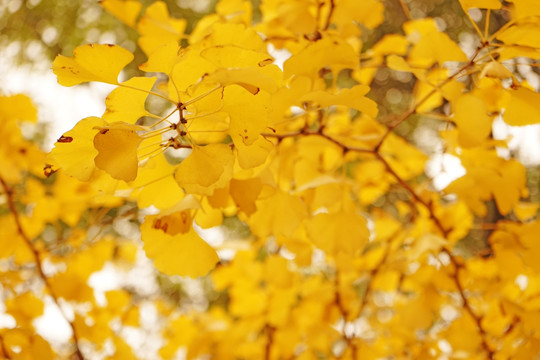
353	97
189	69
435	47
279	214
391	44
524	8
495	69
117	145
339	232
522	108
126	103
245	192
526	34
124	10
163	58
397	63
156	27
157	185
248	113
325	52
482	4
17	107
27	342
430	45
238	11
229	56
25	308
252	79
74	151
255	154
91	62
236	34
471	117
286	97
181	252
205	169
369	13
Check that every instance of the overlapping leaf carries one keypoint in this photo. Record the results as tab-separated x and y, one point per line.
92	62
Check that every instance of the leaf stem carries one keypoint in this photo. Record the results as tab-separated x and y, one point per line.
165	118
149	92
197	98
476	28
157	132
405	9
486	24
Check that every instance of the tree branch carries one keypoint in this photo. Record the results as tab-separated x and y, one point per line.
344	313
39	266
405	9
457	266
3	348
269	341
412	110
330	13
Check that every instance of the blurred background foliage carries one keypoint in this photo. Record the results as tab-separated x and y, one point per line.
37	30
44	28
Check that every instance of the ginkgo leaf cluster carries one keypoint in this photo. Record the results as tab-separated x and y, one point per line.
347	250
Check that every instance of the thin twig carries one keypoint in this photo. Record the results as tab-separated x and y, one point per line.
330	13
149	92
405	9
345	314
320	133
269	341
477	319
4	349
412	110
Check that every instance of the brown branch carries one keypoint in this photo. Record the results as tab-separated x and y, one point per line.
412	110
344	313
375	271
405	9
319	132
39	266
457	266
330	13
270	330
429	206
3	348
416	197
477	319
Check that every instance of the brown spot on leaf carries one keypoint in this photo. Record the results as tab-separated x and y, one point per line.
265	62
48	170
103	131
65	139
